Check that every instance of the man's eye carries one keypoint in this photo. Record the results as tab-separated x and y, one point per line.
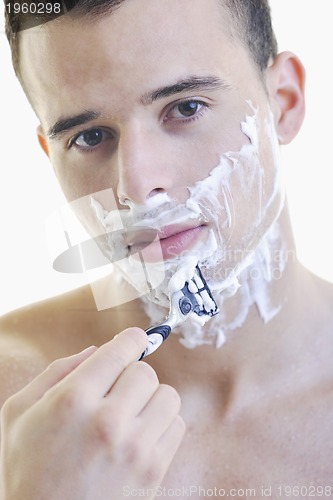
91	138
186	110
189	108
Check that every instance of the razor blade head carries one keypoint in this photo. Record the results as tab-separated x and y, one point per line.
194	297
197	297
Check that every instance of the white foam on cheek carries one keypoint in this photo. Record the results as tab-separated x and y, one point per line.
237	183
263	254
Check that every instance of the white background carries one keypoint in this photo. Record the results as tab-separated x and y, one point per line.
29	193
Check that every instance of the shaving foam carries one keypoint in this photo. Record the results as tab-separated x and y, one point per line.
241	252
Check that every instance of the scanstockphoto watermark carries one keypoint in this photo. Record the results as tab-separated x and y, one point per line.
263	491
272	263
193	491
269	267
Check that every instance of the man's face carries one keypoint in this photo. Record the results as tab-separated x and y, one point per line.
147	102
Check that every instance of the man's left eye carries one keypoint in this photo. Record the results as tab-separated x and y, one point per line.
189	108
185	109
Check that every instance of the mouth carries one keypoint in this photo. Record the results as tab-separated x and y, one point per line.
170	242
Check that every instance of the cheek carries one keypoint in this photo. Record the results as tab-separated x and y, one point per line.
78	183
78	180
255	184
242	197
195	156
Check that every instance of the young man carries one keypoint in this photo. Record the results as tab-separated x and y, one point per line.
168	116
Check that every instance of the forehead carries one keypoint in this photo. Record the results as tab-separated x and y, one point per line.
137	47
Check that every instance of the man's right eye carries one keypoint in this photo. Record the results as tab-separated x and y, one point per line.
90	139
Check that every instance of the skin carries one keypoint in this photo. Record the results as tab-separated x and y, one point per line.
257	410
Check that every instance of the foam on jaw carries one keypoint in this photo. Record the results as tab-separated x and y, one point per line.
238	180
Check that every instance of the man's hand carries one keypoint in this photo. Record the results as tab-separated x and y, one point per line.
91	426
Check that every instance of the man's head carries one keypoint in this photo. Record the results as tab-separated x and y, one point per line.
148	100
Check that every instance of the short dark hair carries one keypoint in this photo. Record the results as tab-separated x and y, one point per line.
251	23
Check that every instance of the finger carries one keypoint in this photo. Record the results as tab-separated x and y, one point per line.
161	410
136	385
167	446
98	374
53	374
171	439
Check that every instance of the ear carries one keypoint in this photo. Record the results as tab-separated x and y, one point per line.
286	81
42	140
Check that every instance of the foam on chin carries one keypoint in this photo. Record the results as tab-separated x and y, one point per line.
212	199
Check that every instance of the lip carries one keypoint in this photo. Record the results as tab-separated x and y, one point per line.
171	241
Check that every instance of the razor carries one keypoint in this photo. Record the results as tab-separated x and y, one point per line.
195	297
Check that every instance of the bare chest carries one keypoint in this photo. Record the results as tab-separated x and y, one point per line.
272	455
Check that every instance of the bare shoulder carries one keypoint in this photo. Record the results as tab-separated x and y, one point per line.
33	336
316	312
324	296
20	362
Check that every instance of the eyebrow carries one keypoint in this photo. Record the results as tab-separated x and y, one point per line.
193	83
65	124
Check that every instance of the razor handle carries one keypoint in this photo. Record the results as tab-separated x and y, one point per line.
156	336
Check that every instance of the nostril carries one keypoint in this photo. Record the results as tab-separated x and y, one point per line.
156	191
123	201
126	201
157	197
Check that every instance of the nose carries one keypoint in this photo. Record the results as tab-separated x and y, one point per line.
142	164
